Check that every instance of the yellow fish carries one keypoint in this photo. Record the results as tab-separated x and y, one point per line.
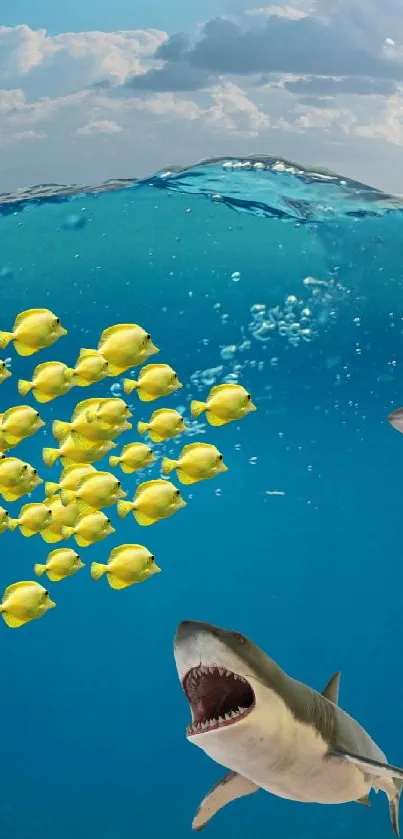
109	412
62	516
17	491
94	492
4	520
32	519
4	372
76	449
154	381
51	379
33	330
163	424
134	456
61	563
154	500
88	425
224	403
196	462
90	367
16	424
24	602
70	478
13	471
92	528
125	345
126	565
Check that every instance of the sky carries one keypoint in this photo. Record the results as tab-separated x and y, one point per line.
97	90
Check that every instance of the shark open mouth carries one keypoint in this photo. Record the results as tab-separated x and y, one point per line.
217	698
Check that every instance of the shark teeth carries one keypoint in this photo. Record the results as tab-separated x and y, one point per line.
209	725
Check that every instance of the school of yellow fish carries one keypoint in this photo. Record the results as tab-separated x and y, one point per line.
73	506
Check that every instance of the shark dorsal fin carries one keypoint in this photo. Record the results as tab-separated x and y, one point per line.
331	691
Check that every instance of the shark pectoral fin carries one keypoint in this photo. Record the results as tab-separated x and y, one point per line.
375	768
331	691
229	788
364	800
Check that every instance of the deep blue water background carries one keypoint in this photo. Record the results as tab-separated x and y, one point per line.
93	714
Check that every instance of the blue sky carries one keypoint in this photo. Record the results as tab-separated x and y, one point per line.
91	91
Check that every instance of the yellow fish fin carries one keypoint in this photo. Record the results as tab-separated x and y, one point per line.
168	465
5	338
111	330
85	405
219	388
27	313
80	382
23	349
156	438
51	489
50	456
50	536
55	578
67	496
129	385
146	397
67	532
42	397
213	419
84	509
197	408
83	543
113	460
142	427
147	484
12	621
143	519
82	442
89	354
14	586
25	531
116	371
60	430
124	508
192	447
115	582
24	387
12	441
39	569
97	570
185	478
12	523
128	470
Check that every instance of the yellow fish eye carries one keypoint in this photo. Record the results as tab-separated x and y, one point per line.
221	457
177	492
248	396
148	337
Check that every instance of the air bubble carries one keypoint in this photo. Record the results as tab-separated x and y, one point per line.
252	461
235	277
227	353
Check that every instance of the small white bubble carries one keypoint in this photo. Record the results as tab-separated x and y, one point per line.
218	492
252	461
116	389
227	353
237	447
274	361
235	276
310	468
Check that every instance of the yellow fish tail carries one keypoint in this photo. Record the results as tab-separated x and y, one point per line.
129	385
168	465
51	489
13	524
67	497
60	429
97	570
50	456
113	460
67	532
197	408
124	508
39	569
24	387
142	427
5	338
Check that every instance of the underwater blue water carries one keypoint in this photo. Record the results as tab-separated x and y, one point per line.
212	261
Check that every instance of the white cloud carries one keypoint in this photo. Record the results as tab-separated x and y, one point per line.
102	126
233	111
279	11
59	64
21	136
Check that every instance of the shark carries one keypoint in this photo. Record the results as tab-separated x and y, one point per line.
271	731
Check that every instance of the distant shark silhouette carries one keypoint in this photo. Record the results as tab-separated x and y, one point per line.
273	732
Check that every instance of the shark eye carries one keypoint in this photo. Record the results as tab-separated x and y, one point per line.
240	638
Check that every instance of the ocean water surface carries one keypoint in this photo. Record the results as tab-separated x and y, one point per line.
287	280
